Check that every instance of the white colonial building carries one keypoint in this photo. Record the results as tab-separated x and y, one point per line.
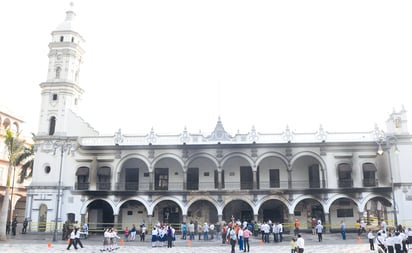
123	179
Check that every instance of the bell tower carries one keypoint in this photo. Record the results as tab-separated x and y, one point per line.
61	93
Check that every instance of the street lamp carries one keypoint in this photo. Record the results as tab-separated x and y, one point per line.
64	145
386	143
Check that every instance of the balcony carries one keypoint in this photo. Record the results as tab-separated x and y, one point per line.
82	186
345	183
133	186
370	182
103	186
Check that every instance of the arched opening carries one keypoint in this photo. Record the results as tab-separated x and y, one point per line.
131	213
168	212
58	72
52	125
100	215
202	211
239	210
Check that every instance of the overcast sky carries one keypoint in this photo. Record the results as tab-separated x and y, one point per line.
175	64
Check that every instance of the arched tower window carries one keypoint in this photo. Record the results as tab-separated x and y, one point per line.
72	39
58	71
61	38
52	126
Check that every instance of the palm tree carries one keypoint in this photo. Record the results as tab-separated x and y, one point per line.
26	159
14	147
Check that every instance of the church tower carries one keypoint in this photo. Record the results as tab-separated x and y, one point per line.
61	93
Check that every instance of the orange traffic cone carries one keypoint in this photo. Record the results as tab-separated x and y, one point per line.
49	245
261	242
359	239
122	242
189	243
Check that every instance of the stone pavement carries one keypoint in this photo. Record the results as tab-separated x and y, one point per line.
332	243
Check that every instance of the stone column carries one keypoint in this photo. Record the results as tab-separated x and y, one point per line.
289	178
151	180
116	221
329	221
254	179
219	179
185	178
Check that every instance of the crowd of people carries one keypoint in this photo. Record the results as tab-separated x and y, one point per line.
391	240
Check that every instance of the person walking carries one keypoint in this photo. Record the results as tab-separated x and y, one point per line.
319	230
390	245
143	233
8	227
246	235
77	238
72	240
297	227
343	230
240	238
300	244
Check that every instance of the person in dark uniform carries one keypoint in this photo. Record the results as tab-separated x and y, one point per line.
25	223
8	227
14	226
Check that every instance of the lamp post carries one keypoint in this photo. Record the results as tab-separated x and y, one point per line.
64	145
386	143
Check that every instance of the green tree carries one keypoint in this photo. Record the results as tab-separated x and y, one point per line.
26	160
14	147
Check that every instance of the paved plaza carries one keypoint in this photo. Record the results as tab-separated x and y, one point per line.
331	243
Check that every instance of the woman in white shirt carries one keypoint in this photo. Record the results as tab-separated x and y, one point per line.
300	244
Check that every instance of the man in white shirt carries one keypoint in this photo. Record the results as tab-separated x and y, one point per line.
300	244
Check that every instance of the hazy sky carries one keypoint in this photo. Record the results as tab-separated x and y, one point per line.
170	64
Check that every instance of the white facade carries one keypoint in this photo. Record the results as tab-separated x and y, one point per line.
123	180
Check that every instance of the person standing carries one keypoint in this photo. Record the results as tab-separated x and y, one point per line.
390	244
300	244
280	232
246	235
343	230
191	230
205	232
293	246
8	227
381	240
126	234
240	238
14	226
169	237
133	233
25	223
383	225
212	231
232	237
85	229
371	239
314	223
319	230
184	231
72	240
297	227
143	233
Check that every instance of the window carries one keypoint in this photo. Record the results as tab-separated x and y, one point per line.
61	38
342	213
132	179
54	97
274	179
369	171
345	175
314	181
52	126
103	178
82	178
193	179
47	169
72	39
246	178
58	72
161	178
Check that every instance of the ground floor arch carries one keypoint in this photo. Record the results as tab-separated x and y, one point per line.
202	211
167	212
238	210
132	212
99	215
273	210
